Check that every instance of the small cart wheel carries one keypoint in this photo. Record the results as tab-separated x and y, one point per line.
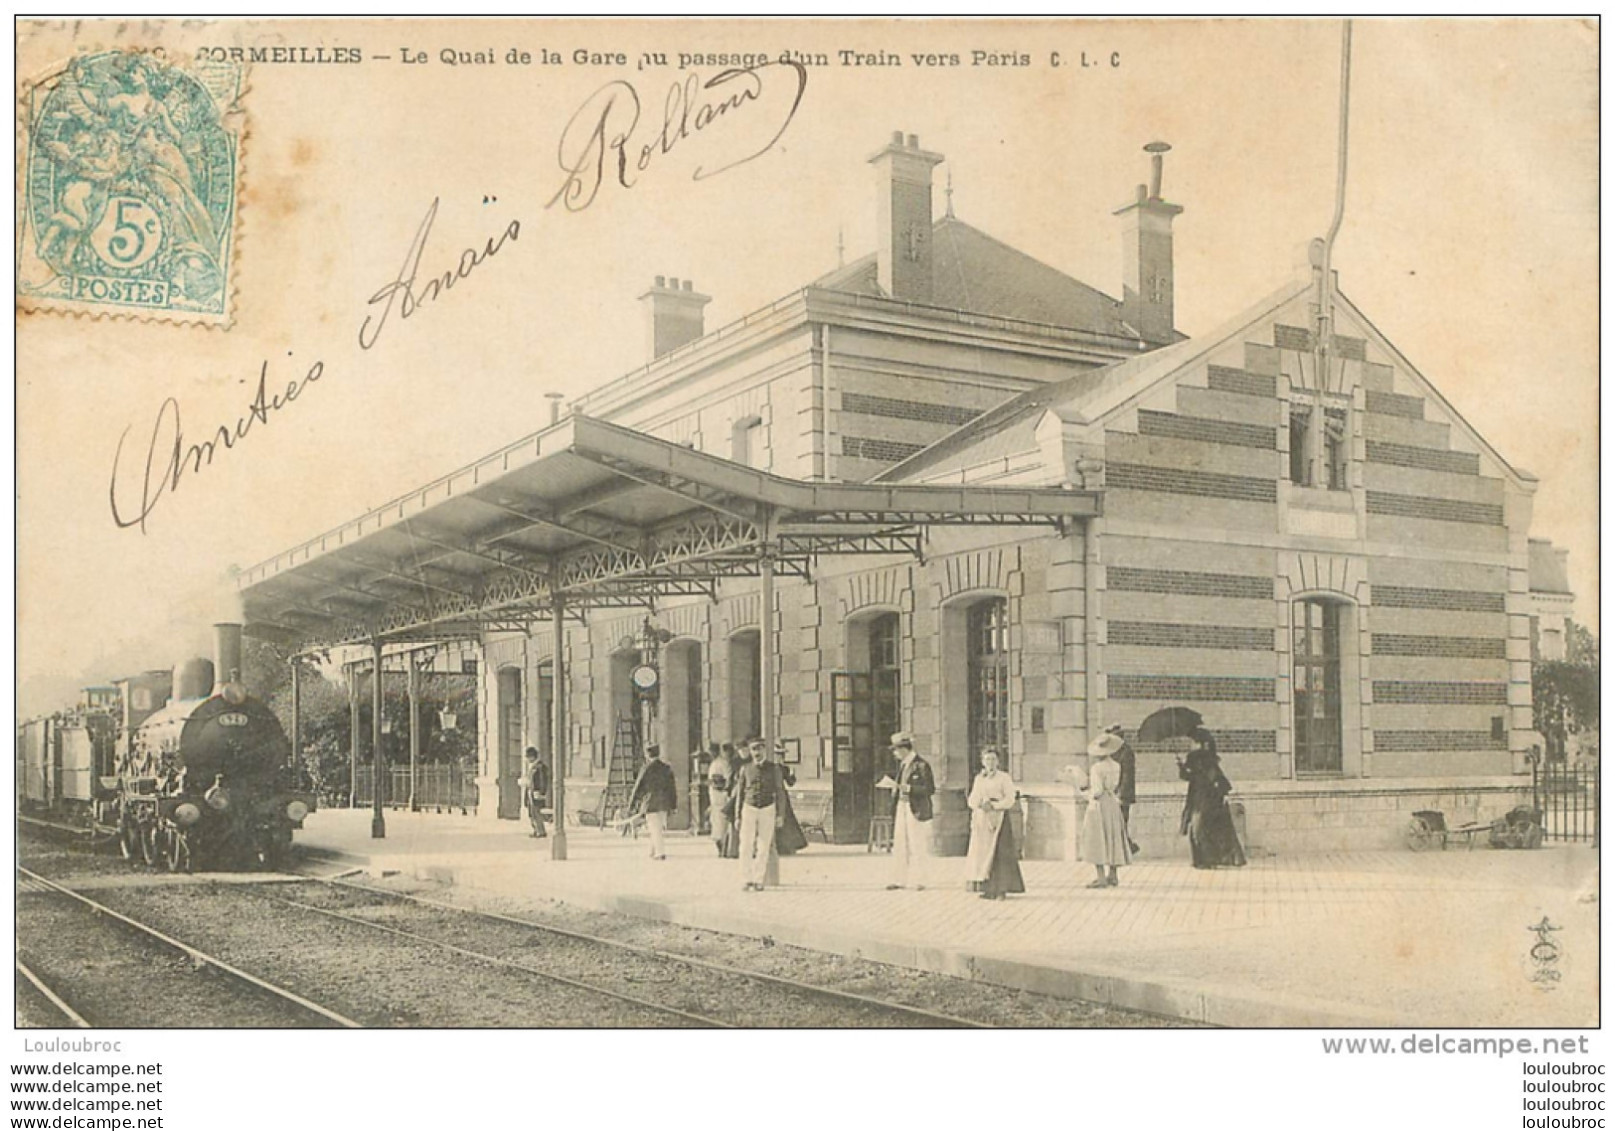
1419	836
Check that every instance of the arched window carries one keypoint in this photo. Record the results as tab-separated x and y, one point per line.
885	678
988	676
1316	657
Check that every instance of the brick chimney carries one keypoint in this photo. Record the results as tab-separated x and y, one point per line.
673	315
1147	256
903	218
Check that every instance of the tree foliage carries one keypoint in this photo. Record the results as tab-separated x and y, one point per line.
326	714
1564	693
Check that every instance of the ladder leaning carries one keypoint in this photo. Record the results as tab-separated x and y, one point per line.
627	757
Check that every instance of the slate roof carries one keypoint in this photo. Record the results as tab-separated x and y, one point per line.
971	271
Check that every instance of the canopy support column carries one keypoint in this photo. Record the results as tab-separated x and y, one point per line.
765	649
353	735
378	765
768	629
414	729
558	734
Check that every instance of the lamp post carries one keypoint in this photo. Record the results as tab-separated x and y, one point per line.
558	740
414	729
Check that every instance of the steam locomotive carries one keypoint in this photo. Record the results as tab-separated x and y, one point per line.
200	779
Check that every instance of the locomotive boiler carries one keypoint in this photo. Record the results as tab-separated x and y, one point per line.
206	784
182	772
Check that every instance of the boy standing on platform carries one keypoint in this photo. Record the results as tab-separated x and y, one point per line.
758	786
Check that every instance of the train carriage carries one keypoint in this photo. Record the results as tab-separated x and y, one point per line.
200	779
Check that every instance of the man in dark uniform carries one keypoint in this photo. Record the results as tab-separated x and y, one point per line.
655	794
911	824
1126	790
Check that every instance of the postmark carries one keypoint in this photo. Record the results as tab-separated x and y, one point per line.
129	188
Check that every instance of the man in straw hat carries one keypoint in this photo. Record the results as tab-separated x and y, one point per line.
911	832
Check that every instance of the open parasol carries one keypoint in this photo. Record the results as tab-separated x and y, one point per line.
1169	722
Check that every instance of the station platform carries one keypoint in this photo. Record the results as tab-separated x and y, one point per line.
1438	939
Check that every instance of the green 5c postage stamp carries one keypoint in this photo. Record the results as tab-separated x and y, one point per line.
129	179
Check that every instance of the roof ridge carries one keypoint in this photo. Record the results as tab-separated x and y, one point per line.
1013	250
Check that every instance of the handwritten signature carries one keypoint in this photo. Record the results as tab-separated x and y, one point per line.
603	128
169	458
401	292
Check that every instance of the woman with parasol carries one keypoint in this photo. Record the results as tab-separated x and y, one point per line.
1207	823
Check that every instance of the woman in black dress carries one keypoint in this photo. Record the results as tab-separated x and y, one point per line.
1206	819
789	838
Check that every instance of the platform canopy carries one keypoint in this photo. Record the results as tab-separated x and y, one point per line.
599	516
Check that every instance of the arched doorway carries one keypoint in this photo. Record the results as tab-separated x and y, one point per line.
627	736
545	716
975	684
866	711
508	732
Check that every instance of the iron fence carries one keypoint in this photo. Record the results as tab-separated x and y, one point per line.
438	789
1567	798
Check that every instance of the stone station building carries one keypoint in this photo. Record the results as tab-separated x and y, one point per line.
1292	532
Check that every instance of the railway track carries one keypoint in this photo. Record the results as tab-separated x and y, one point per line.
84	1007
824	1006
588	979
46	997
385	958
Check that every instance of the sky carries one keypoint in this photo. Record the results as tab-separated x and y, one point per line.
1470	239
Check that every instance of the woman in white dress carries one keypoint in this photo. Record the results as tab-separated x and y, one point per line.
1104	831
994	871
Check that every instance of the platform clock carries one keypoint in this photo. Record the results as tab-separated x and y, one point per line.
645	678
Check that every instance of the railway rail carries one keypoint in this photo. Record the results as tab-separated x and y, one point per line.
51	998
30	881
377	957
854	1005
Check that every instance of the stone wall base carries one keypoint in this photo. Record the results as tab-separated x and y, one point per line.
1286	817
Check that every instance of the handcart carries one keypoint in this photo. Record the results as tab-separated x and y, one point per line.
1428	828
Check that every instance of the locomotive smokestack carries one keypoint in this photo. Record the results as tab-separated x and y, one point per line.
227	652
